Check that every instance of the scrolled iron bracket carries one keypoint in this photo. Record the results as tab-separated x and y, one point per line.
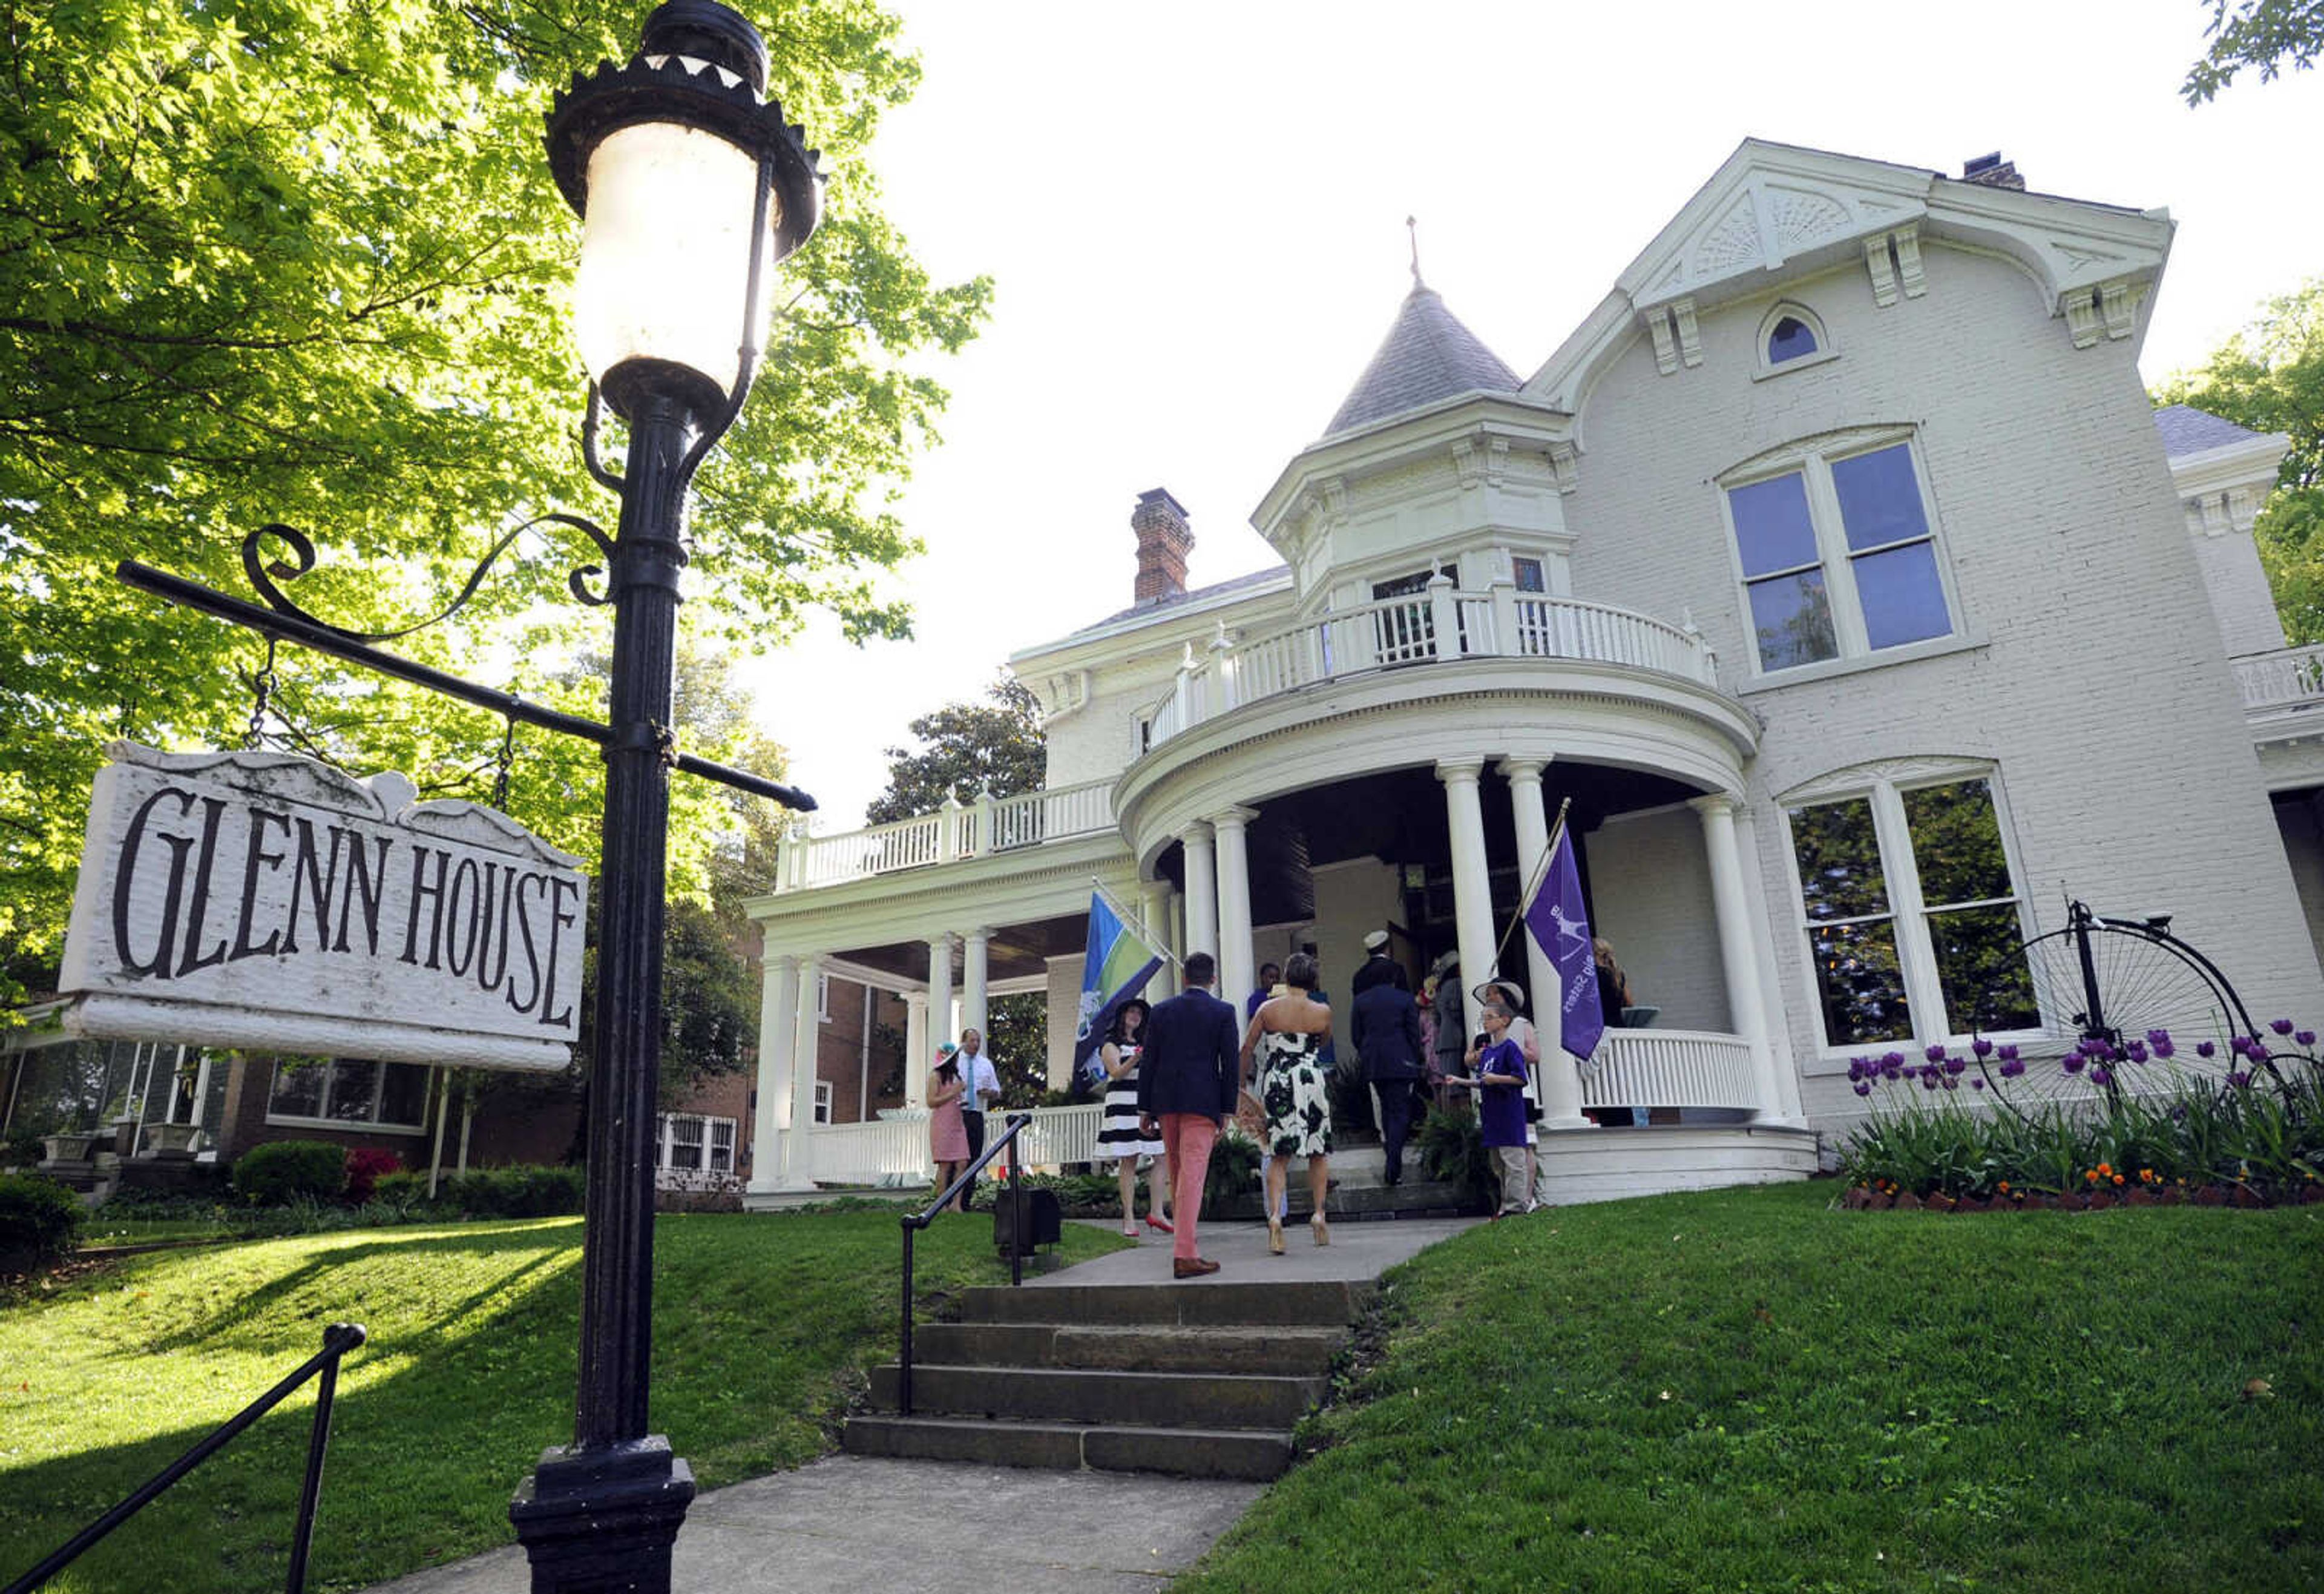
265	571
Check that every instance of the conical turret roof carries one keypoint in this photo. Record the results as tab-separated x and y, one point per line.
1427	355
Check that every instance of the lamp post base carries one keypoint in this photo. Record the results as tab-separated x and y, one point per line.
603	1520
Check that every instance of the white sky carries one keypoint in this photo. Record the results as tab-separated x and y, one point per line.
1194	218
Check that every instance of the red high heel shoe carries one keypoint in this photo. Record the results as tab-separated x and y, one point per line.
1162	1224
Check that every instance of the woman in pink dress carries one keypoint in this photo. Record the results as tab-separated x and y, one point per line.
947	1131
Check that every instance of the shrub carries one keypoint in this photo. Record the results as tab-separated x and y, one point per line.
517	1192
365	1166
39	1220
271	1174
403	1187
1452	1151
1234	1168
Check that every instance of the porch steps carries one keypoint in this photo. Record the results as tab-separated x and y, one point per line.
1202	1381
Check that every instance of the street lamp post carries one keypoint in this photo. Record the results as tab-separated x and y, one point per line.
691	187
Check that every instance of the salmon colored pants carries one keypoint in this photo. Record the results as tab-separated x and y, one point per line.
1187	1138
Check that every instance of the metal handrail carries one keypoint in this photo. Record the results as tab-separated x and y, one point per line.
913	1222
337	1340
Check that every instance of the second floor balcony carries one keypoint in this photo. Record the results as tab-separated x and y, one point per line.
1430	632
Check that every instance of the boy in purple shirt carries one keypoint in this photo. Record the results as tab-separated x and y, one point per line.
1499	1082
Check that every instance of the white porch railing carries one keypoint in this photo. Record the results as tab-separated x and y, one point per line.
895	1149
2289	677
1440	623
955	831
1669	1067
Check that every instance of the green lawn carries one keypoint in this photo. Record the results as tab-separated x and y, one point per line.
1743	1390
761	1323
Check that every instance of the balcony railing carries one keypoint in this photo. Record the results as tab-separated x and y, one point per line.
2280	683
957	831
1439	623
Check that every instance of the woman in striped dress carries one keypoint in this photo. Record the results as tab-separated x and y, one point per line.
1122	1138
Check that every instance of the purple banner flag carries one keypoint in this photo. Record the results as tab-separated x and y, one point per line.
1561	923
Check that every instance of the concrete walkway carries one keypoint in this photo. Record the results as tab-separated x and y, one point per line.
850	1523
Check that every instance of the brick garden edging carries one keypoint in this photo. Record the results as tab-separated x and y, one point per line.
1861	1198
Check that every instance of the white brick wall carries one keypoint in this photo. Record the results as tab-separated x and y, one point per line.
2237	584
2100	691
1650	884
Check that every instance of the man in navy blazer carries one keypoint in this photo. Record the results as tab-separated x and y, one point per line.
1187	1076
1387	1025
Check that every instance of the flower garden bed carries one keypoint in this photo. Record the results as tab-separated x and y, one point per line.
2238	1123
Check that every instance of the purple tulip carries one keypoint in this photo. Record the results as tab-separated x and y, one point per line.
1863	1088
2305	1037
1929	1079
2071	1062
1951	1083
2205	1049
1976	1082
2164	1048
2008	1051
2135	1051
2156	1037
1981	1046
1934	1054
2281	1026
1892	1058
1855	1070
1954	1065
2100	1075
2014	1066
2239	1078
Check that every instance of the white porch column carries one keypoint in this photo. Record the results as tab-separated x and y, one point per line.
1235	970
778	1035
1771	985
1738	951
940	1029
917	1048
1202	892
1472	889
973	1001
1156	901
1560	1085
807	1048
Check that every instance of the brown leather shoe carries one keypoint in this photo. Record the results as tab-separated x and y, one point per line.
1191	1267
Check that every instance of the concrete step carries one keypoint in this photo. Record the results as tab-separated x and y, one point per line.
1294	1352
1188	1452
1139	1399
1414	1198
1316	1304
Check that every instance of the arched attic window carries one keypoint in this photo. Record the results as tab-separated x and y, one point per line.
1792	334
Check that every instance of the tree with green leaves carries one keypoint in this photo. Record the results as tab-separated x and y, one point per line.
966	748
2262	33
2269	377
301	261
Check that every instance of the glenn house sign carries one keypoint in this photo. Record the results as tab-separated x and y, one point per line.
265	901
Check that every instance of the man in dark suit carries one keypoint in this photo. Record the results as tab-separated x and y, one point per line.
1387	1028
1187	1082
1380	967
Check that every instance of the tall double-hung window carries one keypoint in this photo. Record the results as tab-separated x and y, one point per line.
1837	550
1912	915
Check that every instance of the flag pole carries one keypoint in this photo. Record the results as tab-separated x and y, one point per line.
1533	884
1154	937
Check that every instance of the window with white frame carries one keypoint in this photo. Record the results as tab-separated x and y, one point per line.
823	998
1836	551
1528	573
1791	335
1913	912
349	1092
693	1143
823	1101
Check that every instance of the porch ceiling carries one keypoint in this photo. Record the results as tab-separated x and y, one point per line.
1016	951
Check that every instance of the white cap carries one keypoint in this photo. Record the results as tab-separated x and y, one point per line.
1376	941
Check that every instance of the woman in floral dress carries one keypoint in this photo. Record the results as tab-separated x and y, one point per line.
1288	1034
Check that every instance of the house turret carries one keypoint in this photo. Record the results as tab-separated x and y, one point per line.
1164	539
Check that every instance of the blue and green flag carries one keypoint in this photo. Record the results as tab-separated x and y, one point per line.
1115	967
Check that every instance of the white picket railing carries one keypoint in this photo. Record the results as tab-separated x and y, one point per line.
1417	629
894	1150
1669	1067
2288	678
956	832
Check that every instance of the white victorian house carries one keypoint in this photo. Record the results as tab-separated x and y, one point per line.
1836	574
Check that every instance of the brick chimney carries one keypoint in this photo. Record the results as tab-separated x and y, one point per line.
1163	539
1992	171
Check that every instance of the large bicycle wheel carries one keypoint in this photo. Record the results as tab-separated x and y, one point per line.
2106	981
